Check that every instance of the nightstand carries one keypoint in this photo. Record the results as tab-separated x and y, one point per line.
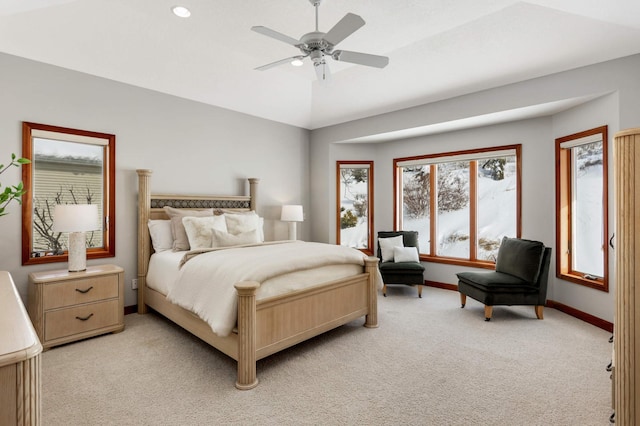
68	306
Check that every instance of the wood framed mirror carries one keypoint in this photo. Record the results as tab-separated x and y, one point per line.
68	166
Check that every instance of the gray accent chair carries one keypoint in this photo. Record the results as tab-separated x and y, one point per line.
520	278
406	273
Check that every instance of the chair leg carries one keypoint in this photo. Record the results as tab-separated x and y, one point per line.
539	309
420	291
488	311
384	290
463	300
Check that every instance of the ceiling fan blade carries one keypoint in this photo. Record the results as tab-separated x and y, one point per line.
344	28
360	58
276	63
323	72
275	34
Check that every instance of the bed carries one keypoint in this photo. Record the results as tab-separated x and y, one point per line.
265	325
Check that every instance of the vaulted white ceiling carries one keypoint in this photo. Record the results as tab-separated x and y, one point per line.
437	48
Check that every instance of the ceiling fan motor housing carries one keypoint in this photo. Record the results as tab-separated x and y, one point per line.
314	41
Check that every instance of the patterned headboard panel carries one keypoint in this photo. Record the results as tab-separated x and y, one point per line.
181	203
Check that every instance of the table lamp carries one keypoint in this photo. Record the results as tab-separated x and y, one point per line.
76	219
292	214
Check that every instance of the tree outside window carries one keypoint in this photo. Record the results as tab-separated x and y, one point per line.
355	204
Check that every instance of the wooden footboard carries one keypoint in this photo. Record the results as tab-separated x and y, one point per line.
266	326
277	323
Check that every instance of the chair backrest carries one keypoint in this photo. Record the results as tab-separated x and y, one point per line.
409	239
543	277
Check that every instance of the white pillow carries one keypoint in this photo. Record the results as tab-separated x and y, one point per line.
161	236
225	239
199	229
180	239
405	254
387	245
238	223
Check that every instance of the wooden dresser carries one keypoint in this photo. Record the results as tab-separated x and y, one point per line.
19	360
67	306
626	333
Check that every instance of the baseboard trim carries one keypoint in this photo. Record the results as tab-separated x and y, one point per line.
588	318
593	320
445	286
132	309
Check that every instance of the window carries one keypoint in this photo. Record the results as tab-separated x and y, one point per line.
354	195
68	166
461	203
581	208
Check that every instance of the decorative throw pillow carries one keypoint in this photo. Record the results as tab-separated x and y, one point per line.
225	239
405	254
161	236
199	229
238	223
180	239
387	245
520	258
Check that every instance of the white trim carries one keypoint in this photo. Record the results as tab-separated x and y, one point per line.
461	157
68	137
355	166
597	137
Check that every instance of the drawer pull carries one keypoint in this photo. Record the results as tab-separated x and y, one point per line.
84	291
85	318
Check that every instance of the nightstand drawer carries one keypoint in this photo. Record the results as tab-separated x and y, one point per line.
74	292
70	321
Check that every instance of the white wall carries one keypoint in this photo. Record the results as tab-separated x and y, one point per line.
191	148
602	111
614	83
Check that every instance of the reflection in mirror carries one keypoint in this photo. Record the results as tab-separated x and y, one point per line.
68	166
355	204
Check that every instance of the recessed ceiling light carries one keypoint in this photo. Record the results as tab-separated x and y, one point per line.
181	11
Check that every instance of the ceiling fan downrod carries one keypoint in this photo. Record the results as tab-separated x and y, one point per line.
316	4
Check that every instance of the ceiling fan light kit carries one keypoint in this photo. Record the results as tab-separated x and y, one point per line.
318	46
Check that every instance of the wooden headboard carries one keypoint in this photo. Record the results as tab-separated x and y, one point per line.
151	206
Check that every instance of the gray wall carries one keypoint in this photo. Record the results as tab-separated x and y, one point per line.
614	92
191	148
202	149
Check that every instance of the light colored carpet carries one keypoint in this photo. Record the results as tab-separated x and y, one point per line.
429	363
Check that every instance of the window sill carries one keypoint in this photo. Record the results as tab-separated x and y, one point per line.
458	262
598	284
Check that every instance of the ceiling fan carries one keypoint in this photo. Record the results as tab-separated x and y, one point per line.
318	46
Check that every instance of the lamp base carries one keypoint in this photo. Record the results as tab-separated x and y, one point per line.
77	252
292	230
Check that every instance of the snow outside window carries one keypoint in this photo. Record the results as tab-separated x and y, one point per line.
474	197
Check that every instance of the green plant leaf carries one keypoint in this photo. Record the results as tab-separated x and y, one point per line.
23	161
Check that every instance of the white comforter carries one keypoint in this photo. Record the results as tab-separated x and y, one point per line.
206	281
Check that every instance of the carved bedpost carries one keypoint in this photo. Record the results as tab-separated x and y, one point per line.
371	266
144	246
253	192
247	334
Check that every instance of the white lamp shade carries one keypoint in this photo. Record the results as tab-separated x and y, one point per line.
75	218
291	213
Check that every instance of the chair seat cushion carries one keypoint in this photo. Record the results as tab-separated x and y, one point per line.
401	267
497	282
